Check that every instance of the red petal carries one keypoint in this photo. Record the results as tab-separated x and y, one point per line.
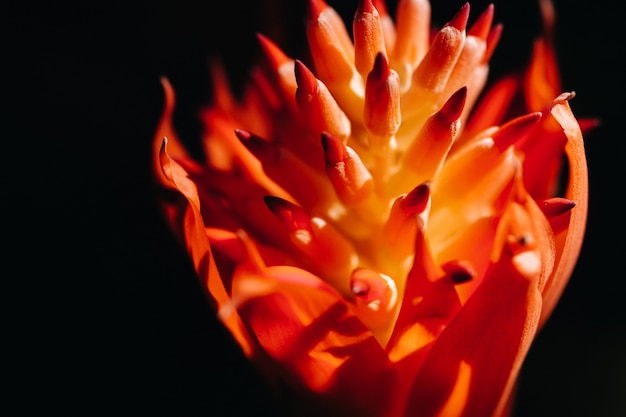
473	364
185	219
569	242
428	304
318	342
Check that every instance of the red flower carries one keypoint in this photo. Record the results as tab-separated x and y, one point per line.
371	228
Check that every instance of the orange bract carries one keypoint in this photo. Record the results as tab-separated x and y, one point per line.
370	226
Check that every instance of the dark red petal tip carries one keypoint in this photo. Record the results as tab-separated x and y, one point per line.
243	135
304	77
458	271
334	149
380	72
365	6
453	108
482	25
314	8
416	200
515	130
292	216
553	207
459	20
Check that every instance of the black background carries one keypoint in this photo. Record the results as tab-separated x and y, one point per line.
103	312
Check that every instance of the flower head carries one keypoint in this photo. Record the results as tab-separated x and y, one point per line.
372	226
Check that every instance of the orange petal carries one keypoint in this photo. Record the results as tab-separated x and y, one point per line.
368	37
542	80
381	114
491	109
282	67
186	221
569	242
543	159
345	170
318	106
434	70
472	366
516	130
469	63
290	172
426	153
315	339
472	244
330	43
482	26
388	25
428	303
427	91
412	38
484	175
409	212
237	197
376	300
332	52
325	249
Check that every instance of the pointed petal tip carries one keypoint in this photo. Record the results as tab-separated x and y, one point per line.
588	124
292	216
252	142
381	6
168	91
492	41
274	203
334	150
416	200
458	271
453	108
482	25
165	82
514	131
459	21
272	51
314	8
242	134
566	96
365	6
304	77
381	68
553	207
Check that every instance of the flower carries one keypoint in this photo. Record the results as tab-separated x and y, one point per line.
373	228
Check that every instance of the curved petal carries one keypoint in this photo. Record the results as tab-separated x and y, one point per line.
312	334
472	366
186	221
429	303
542	79
475	361
569	241
165	129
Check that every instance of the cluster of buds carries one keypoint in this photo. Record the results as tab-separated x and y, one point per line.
376	228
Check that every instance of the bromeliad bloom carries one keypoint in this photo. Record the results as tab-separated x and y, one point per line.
372	227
